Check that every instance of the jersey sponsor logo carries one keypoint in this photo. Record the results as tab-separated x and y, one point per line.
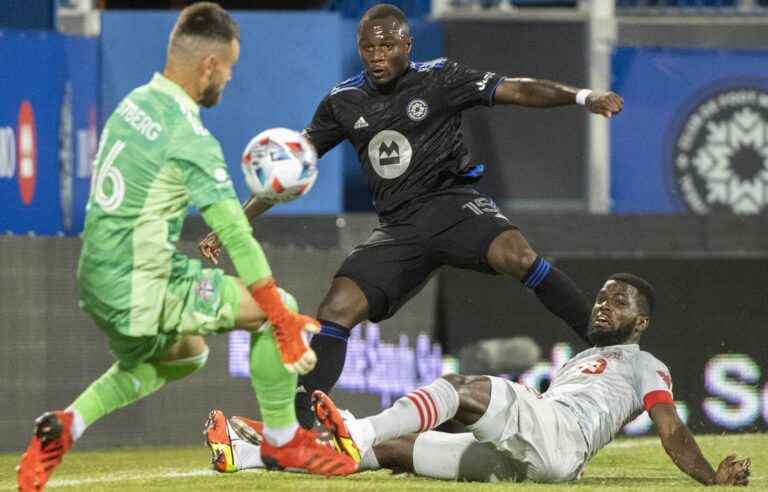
139	120
390	153
594	367
360	123
666	378
27	152
417	109
481	84
719	153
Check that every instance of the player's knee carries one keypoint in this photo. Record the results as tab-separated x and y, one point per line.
458	381
474	395
182	367
344	305
511	254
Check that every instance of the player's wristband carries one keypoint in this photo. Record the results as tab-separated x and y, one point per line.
269	300
581	96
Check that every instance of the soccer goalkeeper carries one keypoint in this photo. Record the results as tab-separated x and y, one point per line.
155	158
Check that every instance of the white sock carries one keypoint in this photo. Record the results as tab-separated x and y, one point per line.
369	461
246	454
438	454
78	424
418	411
280	436
361	431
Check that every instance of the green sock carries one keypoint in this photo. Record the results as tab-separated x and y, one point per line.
275	387
118	387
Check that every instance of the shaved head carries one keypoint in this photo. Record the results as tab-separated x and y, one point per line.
200	29
203	47
384	43
384	12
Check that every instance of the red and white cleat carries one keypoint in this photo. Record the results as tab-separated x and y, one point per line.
52	439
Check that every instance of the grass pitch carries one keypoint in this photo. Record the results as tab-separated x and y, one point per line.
626	465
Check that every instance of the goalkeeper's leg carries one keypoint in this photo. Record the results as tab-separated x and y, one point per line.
56	432
285	443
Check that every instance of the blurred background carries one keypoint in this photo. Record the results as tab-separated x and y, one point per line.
674	189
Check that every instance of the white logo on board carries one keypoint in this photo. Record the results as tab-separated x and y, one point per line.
721	154
390	153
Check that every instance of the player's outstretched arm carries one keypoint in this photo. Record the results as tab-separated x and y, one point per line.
228	221
682	448
539	93
210	246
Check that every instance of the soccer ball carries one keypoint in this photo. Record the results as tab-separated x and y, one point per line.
279	165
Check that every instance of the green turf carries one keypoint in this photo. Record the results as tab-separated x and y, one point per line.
644	467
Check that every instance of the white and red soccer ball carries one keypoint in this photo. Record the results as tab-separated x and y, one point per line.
279	165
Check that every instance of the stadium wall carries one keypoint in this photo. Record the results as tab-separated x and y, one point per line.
524	169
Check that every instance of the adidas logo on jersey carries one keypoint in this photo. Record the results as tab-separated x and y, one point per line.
360	123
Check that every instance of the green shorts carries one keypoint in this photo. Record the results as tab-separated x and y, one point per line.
200	302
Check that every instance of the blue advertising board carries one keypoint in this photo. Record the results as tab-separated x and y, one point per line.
32	77
48	127
79	131
693	136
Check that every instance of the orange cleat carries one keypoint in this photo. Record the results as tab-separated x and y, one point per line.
52	439
306	452
218	439
330	417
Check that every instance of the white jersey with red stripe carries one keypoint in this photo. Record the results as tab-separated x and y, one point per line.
606	387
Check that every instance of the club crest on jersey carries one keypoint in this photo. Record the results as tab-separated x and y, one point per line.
205	290
417	109
390	153
594	366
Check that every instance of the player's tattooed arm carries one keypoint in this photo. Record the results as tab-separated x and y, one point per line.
210	246
540	93
682	448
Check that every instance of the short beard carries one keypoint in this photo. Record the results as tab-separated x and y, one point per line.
615	337
210	96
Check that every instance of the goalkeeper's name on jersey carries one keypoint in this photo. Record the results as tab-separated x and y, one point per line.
139	119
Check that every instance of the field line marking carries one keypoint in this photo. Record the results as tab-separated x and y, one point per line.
127	477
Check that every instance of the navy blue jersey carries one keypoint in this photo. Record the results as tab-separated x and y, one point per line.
409	139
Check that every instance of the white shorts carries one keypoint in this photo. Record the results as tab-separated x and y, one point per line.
541	433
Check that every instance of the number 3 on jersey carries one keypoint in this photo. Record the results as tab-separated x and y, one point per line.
110	197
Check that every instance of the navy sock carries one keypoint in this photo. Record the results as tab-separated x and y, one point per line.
559	294
330	345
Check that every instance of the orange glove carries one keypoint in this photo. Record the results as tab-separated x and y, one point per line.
288	328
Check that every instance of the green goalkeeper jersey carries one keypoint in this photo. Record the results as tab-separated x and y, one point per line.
155	158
